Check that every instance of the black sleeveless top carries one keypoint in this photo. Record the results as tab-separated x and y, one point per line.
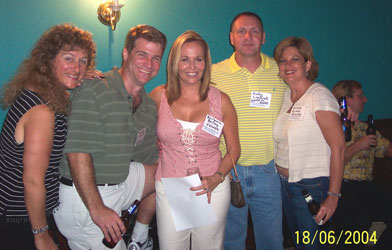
12	205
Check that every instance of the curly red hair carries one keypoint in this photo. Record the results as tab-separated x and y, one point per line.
37	70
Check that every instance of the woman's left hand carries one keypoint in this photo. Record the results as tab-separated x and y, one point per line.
327	209
208	184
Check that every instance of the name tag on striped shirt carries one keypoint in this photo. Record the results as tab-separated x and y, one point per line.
140	136
260	99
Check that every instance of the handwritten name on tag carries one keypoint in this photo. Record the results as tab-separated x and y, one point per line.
140	136
297	113
260	100
213	126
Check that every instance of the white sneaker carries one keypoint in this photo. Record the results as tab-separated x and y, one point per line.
147	245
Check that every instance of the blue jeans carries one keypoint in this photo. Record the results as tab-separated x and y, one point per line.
299	220
261	187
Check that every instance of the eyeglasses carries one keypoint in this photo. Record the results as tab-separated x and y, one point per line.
360	96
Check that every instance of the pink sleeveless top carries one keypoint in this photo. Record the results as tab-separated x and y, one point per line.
182	148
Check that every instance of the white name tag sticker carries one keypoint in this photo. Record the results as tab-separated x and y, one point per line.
213	126
260	99
140	136
297	113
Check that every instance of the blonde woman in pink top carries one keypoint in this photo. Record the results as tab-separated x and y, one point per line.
184	103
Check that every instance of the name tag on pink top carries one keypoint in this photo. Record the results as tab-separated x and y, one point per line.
260	99
213	126
297	113
140	136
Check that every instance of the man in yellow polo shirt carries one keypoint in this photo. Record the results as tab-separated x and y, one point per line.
250	78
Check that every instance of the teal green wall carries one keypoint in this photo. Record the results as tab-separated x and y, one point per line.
352	39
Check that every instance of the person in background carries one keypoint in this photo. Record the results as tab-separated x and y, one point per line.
363	201
34	133
250	79
309	142
111	139
185	104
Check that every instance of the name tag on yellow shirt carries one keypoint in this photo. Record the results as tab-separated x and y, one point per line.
260	99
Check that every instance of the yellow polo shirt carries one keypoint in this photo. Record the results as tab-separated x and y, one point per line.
255	121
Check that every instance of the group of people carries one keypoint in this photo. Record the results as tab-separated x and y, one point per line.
77	158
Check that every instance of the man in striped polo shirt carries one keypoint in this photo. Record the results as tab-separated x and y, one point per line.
250	78
112	131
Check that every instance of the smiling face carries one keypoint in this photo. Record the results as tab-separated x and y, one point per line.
143	63
69	67
292	65
192	63
247	36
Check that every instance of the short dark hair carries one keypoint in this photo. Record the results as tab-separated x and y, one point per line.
246	13
146	32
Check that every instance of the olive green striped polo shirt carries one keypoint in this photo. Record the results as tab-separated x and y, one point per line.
254	123
101	123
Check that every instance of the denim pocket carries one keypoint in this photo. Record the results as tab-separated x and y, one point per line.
317	187
309	183
268	168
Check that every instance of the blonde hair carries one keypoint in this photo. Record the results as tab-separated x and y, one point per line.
173	88
37	70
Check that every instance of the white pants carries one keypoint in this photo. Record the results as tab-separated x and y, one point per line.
73	219
201	238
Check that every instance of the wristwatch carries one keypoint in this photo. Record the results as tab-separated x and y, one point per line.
222	176
40	230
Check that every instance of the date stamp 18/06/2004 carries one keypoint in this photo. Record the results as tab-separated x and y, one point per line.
332	237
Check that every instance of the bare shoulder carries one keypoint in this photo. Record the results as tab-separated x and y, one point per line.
225	98
226	101
39	120
227	108
156	94
40	113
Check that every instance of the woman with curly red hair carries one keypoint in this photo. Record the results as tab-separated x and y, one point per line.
34	132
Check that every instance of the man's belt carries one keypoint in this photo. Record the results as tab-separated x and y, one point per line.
69	182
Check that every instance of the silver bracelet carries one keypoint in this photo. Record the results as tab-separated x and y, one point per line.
335	194
40	230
